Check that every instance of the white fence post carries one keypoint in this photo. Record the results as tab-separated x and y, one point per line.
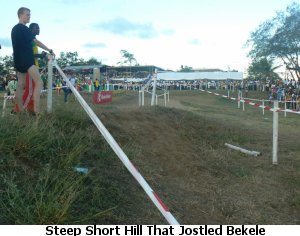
243	101
140	98
154	88
50	79
243	104
4	106
107	85
239	99
284	108
275	133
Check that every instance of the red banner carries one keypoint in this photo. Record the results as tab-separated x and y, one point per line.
102	97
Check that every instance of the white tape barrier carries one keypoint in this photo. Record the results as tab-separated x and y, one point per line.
253	104
12	97
122	156
258	100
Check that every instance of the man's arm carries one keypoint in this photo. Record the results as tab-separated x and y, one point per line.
43	46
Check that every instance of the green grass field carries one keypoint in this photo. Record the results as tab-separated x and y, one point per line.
179	149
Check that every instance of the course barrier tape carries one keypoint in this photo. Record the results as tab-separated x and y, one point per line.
246	101
251	99
11	97
122	156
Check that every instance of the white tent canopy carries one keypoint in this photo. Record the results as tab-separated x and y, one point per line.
217	75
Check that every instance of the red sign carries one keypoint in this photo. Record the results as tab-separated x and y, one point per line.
102	97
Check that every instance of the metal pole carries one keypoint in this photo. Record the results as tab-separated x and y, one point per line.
263	105
50	79
120	153
275	133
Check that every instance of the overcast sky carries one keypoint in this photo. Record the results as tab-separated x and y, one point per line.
165	33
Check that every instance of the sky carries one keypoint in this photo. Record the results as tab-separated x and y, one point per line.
164	33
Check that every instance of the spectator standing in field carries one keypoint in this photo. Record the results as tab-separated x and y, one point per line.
58	86
66	90
11	86
73	81
22	40
97	85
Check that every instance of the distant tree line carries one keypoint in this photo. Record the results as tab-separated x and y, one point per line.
276	40
65	59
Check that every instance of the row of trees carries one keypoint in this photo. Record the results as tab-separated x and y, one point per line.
66	59
6	65
276	40
73	59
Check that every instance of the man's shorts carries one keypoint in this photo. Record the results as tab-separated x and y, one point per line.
23	68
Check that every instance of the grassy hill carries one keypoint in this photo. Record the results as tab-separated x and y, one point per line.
178	149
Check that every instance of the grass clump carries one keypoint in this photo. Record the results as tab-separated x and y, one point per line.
42	199
38	181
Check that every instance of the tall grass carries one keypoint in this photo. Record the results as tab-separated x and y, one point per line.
38	181
45	198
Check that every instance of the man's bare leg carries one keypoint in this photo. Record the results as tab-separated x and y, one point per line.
35	75
20	90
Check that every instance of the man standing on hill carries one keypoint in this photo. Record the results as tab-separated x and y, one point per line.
22	40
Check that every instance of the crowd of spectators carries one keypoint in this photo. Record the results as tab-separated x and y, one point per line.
287	90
